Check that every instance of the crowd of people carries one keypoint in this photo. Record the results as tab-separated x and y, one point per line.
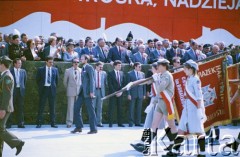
87	85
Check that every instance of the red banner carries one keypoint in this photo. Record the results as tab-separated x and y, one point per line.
233	73
215	92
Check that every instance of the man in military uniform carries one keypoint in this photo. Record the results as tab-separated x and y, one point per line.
6	106
15	50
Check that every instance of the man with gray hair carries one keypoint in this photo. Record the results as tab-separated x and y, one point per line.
215	50
79	48
165	43
139	42
100	50
140	56
157	53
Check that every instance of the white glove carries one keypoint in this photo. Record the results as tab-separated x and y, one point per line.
155	77
128	86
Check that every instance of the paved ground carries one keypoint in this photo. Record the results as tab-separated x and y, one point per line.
109	142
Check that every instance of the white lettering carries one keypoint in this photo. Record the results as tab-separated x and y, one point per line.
220	2
205	5
195	5
149	2
231	7
106	1
183	2
173	2
121	1
214	4
238	5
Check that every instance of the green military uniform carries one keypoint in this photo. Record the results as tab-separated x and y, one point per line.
15	51
6	103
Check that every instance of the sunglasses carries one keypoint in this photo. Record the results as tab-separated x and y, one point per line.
75	62
177	62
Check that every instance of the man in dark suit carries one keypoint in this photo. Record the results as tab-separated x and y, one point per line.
47	81
6	106
100	51
91	51
118	53
140	56
15	50
174	51
116	81
20	78
150	48
101	83
139	42
136	95
191	53
86	96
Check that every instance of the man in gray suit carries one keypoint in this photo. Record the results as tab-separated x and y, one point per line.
72	82
101	82
86	96
136	95
20	78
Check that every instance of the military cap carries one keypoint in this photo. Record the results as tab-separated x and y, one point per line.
129	36
207	46
15	37
5	59
163	61
192	64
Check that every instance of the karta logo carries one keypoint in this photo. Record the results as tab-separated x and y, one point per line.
173	19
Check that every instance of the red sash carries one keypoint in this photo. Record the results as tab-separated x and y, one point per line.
169	104
191	97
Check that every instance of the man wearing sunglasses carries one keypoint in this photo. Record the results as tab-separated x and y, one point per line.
72	82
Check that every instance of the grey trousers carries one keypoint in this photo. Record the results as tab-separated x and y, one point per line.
70	109
97	104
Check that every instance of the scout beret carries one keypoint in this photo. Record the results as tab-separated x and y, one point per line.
192	64
163	61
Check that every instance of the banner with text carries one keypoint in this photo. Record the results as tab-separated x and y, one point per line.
215	92
233	73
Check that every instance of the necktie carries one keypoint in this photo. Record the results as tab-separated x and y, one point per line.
103	53
17	77
153	90
119	50
118	79
49	77
98	80
143	59
90	50
137	76
75	75
83	69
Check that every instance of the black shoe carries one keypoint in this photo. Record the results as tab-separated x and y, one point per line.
92	132
21	126
99	125
54	126
19	147
39	126
200	155
140	148
169	148
110	125
130	125
233	146
140	125
172	154
121	125
76	130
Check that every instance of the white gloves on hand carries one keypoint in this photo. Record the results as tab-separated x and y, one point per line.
155	77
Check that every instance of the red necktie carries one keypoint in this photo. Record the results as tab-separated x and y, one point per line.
98	80
153	90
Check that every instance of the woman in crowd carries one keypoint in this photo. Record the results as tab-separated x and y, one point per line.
31	53
70	54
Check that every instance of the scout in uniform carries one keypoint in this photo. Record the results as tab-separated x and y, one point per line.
6	106
164	83
193	113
